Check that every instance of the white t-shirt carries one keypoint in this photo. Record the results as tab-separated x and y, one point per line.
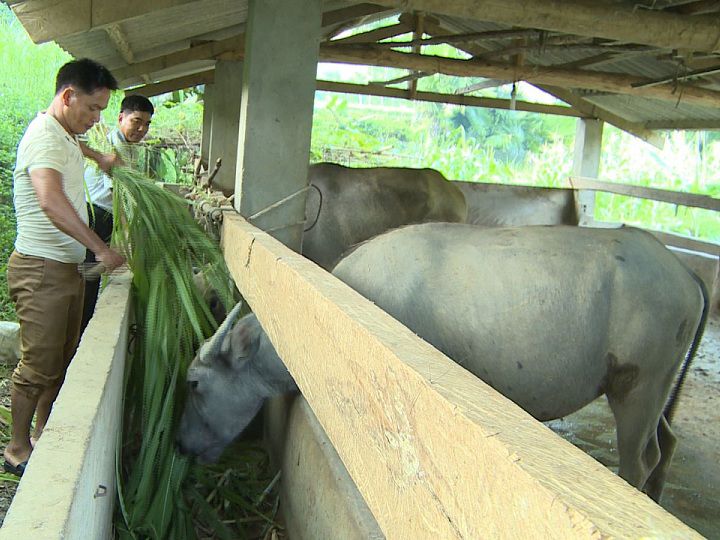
99	185
46	145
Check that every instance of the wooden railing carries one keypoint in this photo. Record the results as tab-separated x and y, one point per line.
691	200
434	451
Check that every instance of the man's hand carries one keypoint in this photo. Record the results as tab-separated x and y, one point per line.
104	161
108	161
110	259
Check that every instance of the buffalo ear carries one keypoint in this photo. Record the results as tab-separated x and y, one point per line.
242	341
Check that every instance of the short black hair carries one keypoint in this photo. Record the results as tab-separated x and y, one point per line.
85	74
136	103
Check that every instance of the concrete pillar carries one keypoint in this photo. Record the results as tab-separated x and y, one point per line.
225	121
208	107
276	114
586	162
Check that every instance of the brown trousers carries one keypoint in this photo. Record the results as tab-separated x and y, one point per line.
48	298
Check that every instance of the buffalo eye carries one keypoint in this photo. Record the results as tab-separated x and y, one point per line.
193	385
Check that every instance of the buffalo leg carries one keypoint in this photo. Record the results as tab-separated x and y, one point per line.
667	441
637	417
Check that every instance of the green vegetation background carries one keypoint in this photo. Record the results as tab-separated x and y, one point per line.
463	143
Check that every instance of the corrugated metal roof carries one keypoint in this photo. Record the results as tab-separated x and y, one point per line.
165	31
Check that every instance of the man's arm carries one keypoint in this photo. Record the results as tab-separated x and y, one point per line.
104	161
47	184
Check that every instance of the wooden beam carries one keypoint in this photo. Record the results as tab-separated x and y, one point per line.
472	37
372	36
609	82
227	49
206	51
434	451
119	40
351	13
488	83
470	101
418	33
188	81
405	78
233	49
696	8
596	59
594	111
610	20
46	20
654	194
693	124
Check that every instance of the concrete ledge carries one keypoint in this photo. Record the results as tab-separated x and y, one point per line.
68	490
319	499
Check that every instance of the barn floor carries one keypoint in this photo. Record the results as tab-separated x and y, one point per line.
693	491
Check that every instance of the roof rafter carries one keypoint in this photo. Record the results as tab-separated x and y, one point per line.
206	51
433	97
577	103
187	81
584	17
207	77
596	80
372	36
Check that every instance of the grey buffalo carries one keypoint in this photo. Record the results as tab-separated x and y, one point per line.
551	317
347	206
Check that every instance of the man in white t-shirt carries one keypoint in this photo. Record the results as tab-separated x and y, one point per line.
133	123
52	235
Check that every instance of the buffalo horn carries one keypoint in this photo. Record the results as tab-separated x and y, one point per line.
217	339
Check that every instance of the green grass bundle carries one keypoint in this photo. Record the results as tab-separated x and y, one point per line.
162	243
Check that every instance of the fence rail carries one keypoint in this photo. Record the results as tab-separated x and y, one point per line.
654	194
581	183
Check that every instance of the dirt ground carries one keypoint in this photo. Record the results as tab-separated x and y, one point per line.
693	491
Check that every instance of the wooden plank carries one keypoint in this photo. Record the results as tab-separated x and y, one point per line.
434	451
188	81
654	194
610	20
472	101
616	83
